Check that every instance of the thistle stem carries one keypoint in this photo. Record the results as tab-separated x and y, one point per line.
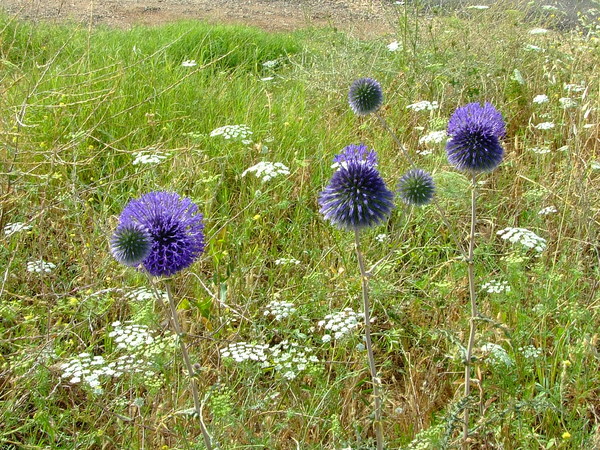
376	381
190	368
474	310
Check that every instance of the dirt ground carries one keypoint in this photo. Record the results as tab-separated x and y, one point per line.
365	17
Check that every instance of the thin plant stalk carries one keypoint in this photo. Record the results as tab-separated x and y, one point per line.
190	368
373	368
474	310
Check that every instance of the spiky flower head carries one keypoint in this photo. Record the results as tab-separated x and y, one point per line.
475	132
131	244
357	153
175	228
365	96
356	196
416	187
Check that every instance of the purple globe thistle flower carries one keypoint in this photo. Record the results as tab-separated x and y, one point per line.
365	96
175	228
416	187
131	244
358	153
356	196
475	132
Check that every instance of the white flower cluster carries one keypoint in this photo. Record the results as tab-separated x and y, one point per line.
286	262
423	105
240	132
541	98
40	266
189	63
547	210
574	87
435	137
15	227
568	102
149	157
144	294
496	287
540	150
271	64
381	237
290	359
279	309
242	351
544	126
340	323
86	367
531	352
496	354
525	237
532	48
130	336
393	46
267	170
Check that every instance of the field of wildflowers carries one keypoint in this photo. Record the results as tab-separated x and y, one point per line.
216	237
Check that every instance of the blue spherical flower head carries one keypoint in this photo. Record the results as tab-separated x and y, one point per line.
475	132
356	196
365	96
175	227
131	244
357	153
416	187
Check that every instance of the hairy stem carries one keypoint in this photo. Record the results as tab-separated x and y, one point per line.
190	368
474	311
376	381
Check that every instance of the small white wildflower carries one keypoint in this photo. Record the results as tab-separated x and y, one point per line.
423	105
15	227
279	309
496	287
381	237
189	63
270	64
531	352
341	323
435	137
131	336
532	48
326	338
267	170
544	126
574	87
242	351
40	266
393	46
547	210
541	98
496	354
525	237
286	261
568	103
478	7
535	31
149	158
235	132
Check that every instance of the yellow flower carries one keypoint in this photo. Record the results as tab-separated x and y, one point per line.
566	435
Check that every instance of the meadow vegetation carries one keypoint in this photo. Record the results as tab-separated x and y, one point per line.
91	118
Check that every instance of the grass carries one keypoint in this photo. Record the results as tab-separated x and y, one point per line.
78	104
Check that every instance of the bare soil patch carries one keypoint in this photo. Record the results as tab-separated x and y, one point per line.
363	17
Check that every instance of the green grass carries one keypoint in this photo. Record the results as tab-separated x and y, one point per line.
76	106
